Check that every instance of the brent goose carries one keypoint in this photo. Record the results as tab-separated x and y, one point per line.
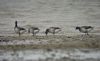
33	30
19	30
85	29
52	30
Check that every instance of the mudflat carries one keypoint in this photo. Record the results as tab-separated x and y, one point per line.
56	41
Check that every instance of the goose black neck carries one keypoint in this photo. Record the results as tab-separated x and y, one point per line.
46	32
16	24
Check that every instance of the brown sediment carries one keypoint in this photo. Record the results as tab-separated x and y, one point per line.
56	42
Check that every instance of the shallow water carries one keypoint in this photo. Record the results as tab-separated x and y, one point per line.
54	54
66	14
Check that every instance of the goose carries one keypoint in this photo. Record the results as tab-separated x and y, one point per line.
19	30
85	29
52	30
33	30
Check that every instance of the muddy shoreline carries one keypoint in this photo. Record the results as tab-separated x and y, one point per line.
44	42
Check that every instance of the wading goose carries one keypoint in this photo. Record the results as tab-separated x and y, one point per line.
52	30
33	30
85	29
19	30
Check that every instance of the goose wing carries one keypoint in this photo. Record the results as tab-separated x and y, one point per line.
86	29
20	28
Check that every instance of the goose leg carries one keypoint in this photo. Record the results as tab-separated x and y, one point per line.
46	34
19	34
87	33
83	36
54	32
28	30
33	33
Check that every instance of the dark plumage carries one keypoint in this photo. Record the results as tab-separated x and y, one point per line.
85	29
52	30
33	30
19	30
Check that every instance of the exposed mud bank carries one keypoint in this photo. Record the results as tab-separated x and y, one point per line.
57	41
